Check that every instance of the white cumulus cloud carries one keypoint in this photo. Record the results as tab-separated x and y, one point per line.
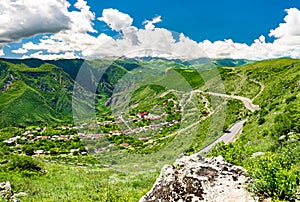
286	42
155	42
291	26
82	20
66	42
25	18
43	56
20	51
149	24
116	20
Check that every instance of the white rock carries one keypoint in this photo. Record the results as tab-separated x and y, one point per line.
194	178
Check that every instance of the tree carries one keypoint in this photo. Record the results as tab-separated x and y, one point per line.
28	150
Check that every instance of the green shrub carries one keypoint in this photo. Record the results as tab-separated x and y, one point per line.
274	177
261	120
290	99
24	164
29	150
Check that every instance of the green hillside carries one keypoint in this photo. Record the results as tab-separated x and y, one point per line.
35	93
274	130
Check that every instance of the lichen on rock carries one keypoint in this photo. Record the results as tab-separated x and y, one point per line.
194	178
7	193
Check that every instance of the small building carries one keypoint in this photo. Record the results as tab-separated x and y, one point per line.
142	114
30	135
39	152
74	150
9	142
124	144
26	132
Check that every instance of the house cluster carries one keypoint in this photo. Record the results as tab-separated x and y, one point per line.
72	151
148	116
37	133
12	141
32	138
54	137
129	131
101	149
138	117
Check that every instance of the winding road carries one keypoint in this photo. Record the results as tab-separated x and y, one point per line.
235	130
237	127
227	137
247	102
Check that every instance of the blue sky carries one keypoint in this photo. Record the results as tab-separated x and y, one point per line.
242	21
225	25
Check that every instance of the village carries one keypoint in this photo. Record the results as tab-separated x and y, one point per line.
69	139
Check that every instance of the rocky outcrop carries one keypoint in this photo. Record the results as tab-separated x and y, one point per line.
194	178
7	194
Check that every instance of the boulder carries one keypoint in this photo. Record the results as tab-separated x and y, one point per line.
194	178
6	190
7	193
